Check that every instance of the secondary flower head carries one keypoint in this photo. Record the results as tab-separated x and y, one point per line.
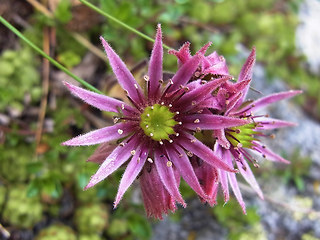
235	144
155	130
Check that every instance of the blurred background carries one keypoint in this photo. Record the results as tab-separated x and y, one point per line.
41	181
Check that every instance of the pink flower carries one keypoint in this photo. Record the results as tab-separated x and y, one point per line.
235	144
155	131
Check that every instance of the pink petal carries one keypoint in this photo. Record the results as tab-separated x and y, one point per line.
271	123
182	163
249	177
221	138
190	143
133	169
200	93
101	135
183	54
211	122
157	200
208	178
102	152
184	74
247	70
234	183
167	176
223	175
265	101
99	101
268	153
124	76
118	157
155	65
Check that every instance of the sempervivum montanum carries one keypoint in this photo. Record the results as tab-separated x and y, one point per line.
156	130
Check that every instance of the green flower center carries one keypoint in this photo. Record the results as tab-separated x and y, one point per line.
242	136
157	122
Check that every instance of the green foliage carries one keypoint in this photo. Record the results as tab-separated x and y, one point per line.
57	232
18	68
20	210
3	192
231	216
91	218
297	170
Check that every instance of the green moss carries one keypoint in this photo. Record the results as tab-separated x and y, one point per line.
91	219
57	232
21	211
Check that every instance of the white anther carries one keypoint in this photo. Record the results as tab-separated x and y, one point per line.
161	143
169	164
190	154
146	78
180	123
170	80
122	144
162	103
147	126
152	107
197	120
170	141
193	140
150	160
148	115
122	106
136	86
193	103
151	134
177	134
170	105
133	152
120	131
177	113
138	160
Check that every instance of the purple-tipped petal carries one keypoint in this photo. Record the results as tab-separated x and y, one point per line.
200	93
101	135
247	174
124	76
271	123
246	71
133	169
223	175
167	177
193	145
268	153
182	163
185	73
265	101
234	183
155	66
183	54
157	200
102	152
211	122
118	157
99	101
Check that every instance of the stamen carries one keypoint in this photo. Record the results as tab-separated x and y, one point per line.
169	164
120	131
146	78
197	120
190	154
150	160
133	152
161	143
170	141
136	86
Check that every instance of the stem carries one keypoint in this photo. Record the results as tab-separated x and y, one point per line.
107	15
50	59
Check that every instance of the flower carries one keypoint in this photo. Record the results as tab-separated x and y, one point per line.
155	130
210	66
235	144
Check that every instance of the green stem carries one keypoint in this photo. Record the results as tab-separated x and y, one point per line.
107	15
50	59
